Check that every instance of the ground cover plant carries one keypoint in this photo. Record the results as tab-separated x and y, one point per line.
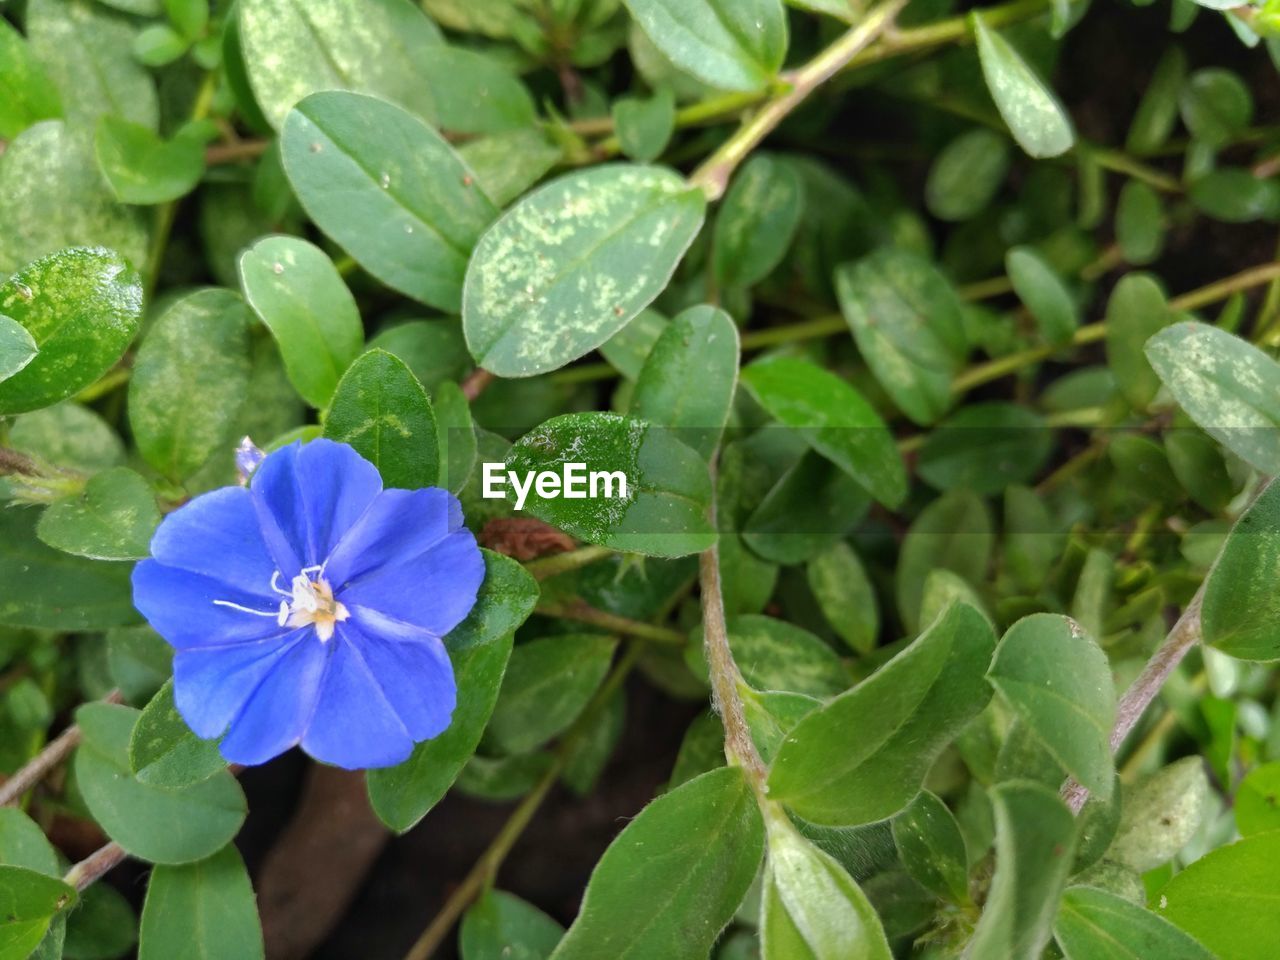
662	479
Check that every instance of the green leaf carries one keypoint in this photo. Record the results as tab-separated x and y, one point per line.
1226	899
479	648
151	823
1136	311
834	419
907	322
1235	195
840	584
381	410
1045	294
931	847
1241	606
1033	114
29	96
205	909
688	379
23	843
81	308
863	756
88	53
1140	223
1160	815
456	435
189	381
1229	387
1056	678
163	752
17	347
729	44
954	533
28	902
387	189
52	590
966	175
102	927
502	925
547	684
776	655
757	221
159	45
812	909
294	49
141	168
475	92
1157	112
570	264
297	292
1035	840
507	164
50	167
139	660
985	447
671	881
1257	800
664	512
191	17
628	349
433	349
113	519
1095	925
644	124
1216	105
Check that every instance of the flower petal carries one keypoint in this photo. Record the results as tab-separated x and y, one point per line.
211	684
307	497
416	675
398	527
277	712
435	591
180	607
217	534
354	725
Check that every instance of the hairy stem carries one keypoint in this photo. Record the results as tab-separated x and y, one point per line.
545	567
485	870
1183	636
713	175
93	867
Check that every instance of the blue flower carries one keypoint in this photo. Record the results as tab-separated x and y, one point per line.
309	608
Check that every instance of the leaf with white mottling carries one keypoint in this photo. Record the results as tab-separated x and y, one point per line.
1035	117
570	264
293	48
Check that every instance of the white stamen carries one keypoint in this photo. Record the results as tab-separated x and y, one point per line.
310	602
236	606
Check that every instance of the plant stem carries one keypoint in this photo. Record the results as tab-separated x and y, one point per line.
585	613
713	175
39	766
93	867
1143	690
739	748
545	567
486	867
1091	333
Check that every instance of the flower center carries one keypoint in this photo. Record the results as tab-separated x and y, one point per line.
310	601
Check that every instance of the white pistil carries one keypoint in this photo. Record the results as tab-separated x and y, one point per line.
309	602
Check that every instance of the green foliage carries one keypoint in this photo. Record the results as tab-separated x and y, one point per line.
205	909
